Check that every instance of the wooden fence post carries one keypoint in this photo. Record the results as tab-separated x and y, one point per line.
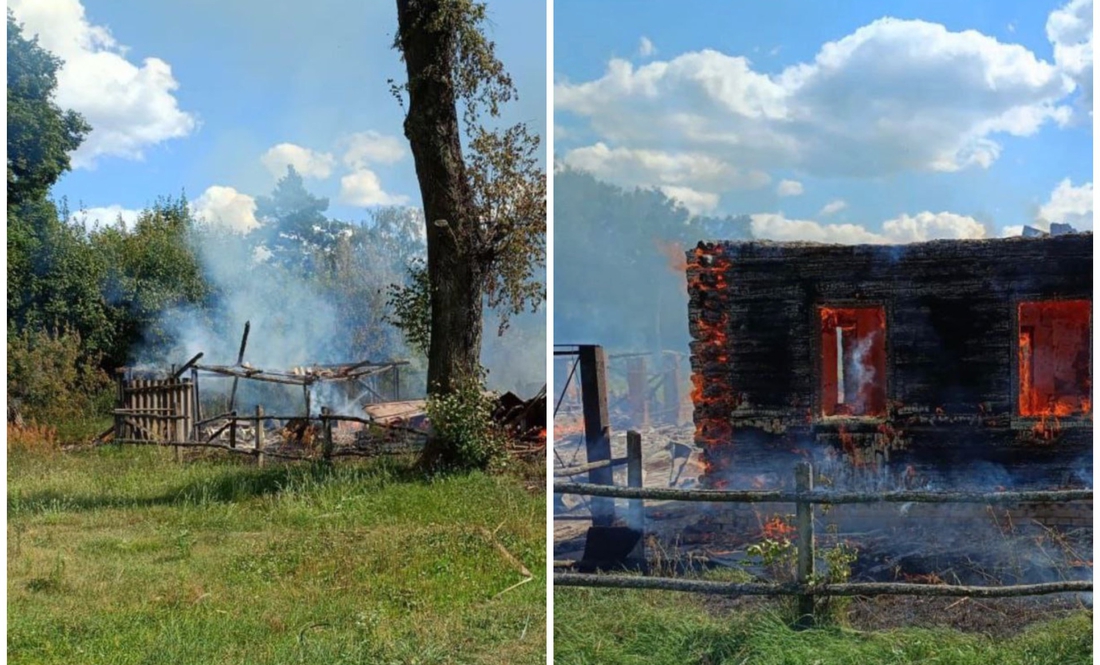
196	405
597	427
232	429
637	390
260	436
174	426
120	403
804	483
635	477
326	429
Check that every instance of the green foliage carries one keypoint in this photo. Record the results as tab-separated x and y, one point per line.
509	188
152	268
40	134
55	277
779	556
463	430
363	269
411	308
293	221
631	244
50	378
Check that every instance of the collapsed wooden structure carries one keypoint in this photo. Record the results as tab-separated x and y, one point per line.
165	408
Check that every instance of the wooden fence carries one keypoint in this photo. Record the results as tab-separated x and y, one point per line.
160	411
804	497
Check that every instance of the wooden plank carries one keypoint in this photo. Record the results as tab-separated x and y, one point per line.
259	436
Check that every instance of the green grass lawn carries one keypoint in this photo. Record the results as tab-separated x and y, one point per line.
123	556
610	627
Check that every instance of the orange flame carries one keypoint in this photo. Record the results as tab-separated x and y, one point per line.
1055	371
712	394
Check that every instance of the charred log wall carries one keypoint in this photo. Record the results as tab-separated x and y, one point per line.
952	346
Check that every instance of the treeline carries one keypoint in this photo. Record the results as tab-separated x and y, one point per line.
619	263
85	299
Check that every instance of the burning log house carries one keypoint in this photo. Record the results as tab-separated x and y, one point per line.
939	364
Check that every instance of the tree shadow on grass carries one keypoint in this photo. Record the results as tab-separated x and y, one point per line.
233	485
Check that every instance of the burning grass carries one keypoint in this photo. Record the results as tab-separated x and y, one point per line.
122	556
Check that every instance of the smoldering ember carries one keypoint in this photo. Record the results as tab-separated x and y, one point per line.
951	365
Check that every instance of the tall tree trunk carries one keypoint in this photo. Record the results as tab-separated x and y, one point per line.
455	276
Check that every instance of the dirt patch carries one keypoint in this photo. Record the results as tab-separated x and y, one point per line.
995	617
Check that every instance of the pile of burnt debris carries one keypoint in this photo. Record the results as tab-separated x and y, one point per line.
524	420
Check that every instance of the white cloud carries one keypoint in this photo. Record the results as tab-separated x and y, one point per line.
1069	29
623	166
900	230
833	207
696	202
777	227
646	47
931	226
308	163
225	206
363	188
788	188
105	216
129	107
1067	205
371	147
893	96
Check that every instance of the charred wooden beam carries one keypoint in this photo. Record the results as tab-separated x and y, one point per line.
240	359
187	365
821	497
597	426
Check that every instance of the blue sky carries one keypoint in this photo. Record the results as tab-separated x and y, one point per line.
214	98
836	121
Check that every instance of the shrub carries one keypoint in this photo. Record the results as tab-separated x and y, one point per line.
50	379
32	438
464	436
778	553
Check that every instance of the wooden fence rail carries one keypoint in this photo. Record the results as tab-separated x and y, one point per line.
804	497
820	496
